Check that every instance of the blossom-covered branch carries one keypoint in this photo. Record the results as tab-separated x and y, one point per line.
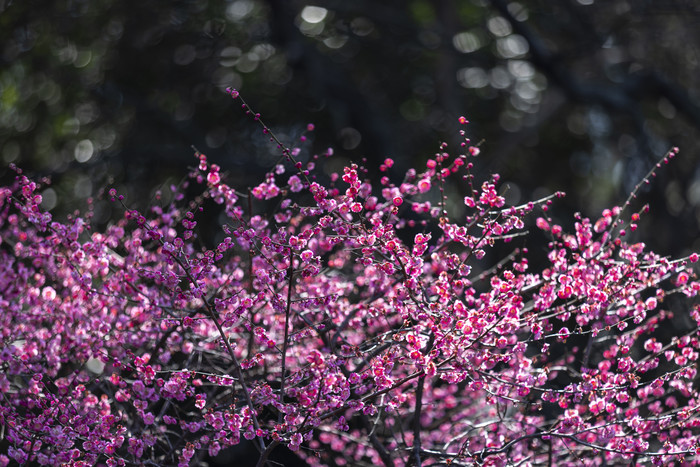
324	326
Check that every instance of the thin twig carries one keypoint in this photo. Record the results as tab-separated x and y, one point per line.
287	313
416	423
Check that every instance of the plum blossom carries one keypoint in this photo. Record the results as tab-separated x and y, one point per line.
325	319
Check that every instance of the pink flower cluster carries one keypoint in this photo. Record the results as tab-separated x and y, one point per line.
324	327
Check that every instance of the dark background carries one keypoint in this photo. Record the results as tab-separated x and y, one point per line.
575	95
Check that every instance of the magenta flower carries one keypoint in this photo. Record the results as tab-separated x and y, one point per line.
326	319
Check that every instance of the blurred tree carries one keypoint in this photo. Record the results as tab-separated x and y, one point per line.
575	95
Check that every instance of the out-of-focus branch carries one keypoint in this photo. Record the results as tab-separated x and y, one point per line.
622	97
330	84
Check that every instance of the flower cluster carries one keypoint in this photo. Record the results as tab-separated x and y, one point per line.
324	326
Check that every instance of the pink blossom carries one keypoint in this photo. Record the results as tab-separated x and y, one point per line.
330	321
424	185
213	178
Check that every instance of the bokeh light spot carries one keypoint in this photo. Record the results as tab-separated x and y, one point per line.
84	150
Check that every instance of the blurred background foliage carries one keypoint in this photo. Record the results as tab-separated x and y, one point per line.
575	95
